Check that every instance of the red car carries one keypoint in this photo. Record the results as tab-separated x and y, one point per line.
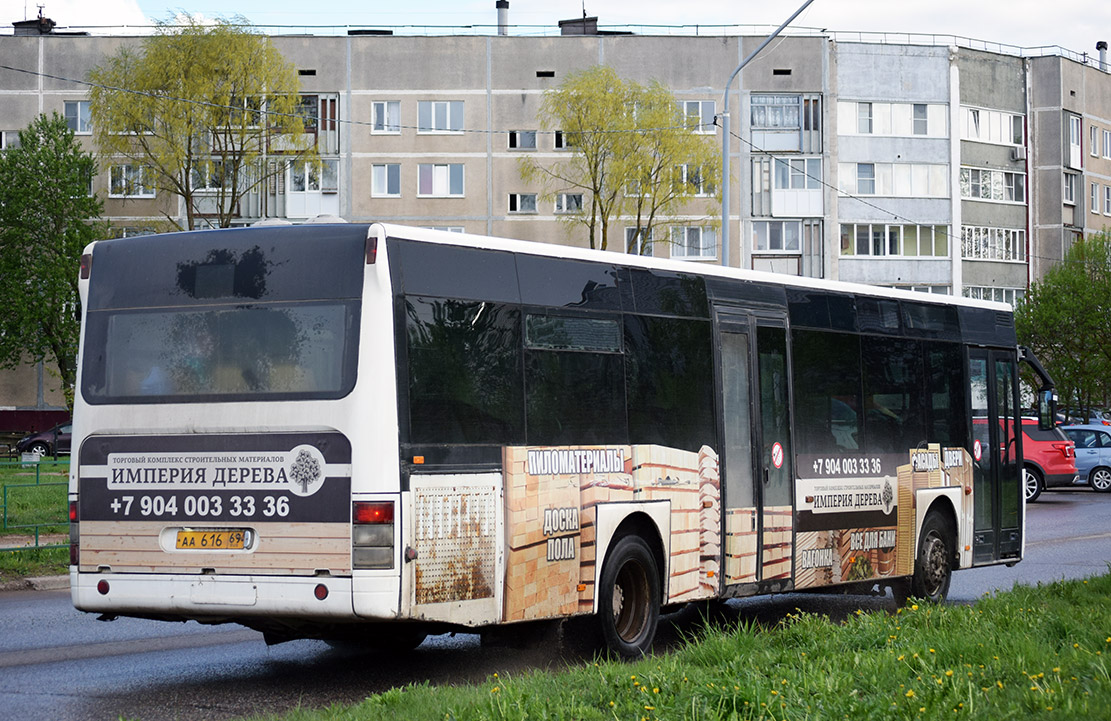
1048	459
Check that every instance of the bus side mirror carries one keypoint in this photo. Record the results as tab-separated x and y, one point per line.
1047	409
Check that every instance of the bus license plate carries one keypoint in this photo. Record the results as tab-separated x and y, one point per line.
212	540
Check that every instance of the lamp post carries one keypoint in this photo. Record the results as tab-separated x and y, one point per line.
725	134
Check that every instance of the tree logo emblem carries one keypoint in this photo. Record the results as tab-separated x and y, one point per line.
888	496
306	471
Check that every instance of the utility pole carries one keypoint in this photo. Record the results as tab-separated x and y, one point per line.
725	134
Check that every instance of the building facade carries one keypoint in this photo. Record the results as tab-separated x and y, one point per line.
939	168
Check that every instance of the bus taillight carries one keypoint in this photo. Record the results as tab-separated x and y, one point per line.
74	535
372	534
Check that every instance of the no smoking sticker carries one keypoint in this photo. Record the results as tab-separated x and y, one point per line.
777	455
977	450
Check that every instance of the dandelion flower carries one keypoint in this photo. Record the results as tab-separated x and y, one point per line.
910	693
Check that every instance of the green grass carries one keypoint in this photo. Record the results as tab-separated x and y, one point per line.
33	562
36	496
1031	653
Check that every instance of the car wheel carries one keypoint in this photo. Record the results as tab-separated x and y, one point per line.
933	566
1100	480
39	448
629	598
1032	483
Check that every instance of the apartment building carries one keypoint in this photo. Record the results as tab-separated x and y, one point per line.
940	168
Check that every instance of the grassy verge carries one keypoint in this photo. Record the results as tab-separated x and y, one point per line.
1032	653
32	562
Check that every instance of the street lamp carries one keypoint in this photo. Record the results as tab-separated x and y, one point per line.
725	135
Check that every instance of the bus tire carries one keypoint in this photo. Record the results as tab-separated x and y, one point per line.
629	598
933	565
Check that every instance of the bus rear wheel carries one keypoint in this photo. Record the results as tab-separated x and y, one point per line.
629	598
933	566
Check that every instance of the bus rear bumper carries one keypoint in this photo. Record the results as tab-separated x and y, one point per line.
186	597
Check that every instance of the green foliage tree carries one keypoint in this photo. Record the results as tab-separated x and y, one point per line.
47	217
200	106
1066	320
632	154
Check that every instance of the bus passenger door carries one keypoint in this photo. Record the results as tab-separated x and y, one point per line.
757	453
996	445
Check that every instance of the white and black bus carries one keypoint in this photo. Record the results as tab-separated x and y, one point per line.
379	432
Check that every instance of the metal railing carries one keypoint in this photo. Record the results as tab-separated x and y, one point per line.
32	506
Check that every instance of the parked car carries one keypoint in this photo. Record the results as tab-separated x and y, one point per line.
47	443
1093	417
1093	454
1048	459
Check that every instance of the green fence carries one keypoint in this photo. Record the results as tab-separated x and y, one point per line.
34	512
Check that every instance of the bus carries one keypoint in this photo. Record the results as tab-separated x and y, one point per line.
376	432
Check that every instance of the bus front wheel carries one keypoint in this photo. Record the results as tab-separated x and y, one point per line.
933	566
629	600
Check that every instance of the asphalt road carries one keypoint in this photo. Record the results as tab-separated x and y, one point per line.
59	664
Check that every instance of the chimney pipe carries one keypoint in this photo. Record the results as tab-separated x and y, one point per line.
503	16
1101	46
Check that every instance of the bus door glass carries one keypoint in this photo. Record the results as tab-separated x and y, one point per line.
774	431
758	512
995	448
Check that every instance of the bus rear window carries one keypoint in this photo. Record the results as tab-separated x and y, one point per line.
221	353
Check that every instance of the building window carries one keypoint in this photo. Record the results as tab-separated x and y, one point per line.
800	174
775	112
693	243
77	116
522	140
995	185
979	243
385	181
447	228
129	181
864	118
304	178
1107	143
9	139
699	115
921	119
1070	189
865	179
209	178
638	241
1093	141
522	202
992	126
1074	142
387	117
691	176
878	239
1094	204
1012	296
1107	200
564	141
569	203
440	180
776	235
440	116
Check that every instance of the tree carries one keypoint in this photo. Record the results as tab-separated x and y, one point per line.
47	217
1066	320
633	153
201	108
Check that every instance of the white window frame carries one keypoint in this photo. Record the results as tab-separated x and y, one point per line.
386	117
447	228
1013	296
565	203
440	176
924	121
862	180
515	138
445	117
9	139
1068	190
1093	141
864	119
897	235
310	177
1094	204
1107	200
633	233
380	185
701	188
522	203
1107	143
206	185
81	117
695	113
801	173
991	243
992	186
124	173
681	236
560	141
762	242
1075	134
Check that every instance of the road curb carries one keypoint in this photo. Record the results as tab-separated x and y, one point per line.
40	583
